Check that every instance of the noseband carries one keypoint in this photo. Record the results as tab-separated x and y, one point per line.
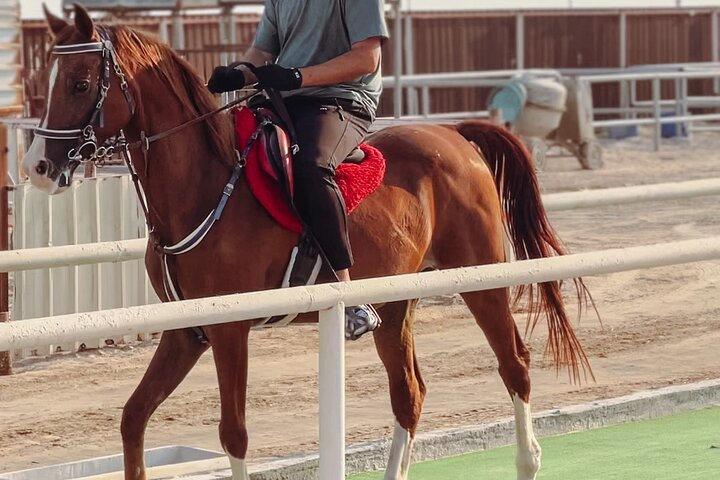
87	148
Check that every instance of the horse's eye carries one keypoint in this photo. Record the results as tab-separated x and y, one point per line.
82	86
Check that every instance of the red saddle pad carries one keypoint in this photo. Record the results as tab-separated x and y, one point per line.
356	181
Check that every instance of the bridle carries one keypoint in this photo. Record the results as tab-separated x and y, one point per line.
87	148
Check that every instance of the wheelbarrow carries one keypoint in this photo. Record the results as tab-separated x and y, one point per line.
547	112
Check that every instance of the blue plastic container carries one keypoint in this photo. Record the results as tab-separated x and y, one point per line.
672	130
510	99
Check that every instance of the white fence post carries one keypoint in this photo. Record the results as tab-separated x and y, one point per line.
397	61
332	392
657	112
715	46
520	41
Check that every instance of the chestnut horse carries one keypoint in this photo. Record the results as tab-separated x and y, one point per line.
449	195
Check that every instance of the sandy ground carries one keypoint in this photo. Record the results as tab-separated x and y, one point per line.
660	327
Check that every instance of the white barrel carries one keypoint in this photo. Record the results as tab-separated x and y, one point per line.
546	92
544	108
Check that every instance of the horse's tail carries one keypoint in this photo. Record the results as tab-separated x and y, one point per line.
532	236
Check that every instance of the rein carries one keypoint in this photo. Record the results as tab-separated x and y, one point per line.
145	142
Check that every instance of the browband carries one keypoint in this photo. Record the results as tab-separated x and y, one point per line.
78	48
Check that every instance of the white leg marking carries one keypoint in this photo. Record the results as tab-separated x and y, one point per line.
400	451
238	467
528	455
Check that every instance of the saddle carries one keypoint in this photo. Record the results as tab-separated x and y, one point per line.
269	173
269	167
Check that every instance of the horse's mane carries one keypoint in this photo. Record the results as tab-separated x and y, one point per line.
138	51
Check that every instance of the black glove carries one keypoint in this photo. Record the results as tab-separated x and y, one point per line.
226	79
277	77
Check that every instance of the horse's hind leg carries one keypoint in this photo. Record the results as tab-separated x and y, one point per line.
492	314
230	350
175	356
396	347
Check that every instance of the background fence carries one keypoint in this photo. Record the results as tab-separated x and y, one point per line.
93	210
59	281
481	40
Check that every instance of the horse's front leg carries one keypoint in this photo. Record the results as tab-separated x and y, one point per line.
230	351
175	356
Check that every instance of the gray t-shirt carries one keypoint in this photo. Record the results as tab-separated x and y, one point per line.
302	33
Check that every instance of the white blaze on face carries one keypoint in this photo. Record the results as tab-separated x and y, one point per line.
528	455
36	152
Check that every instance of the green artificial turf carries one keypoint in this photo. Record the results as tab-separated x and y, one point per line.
682	447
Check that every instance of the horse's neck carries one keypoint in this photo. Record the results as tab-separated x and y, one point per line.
181	180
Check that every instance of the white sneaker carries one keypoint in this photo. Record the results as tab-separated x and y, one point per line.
360	320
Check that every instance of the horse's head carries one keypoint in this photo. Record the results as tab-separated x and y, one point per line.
85	82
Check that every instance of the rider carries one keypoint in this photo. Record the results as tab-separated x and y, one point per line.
324	55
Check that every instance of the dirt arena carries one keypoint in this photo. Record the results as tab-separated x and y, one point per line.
659	327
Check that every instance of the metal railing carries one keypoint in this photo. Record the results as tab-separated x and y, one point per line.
652	112
410	84
634	111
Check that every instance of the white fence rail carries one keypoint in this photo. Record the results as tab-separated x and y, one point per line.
128	250
93	210
245	306
76	278
638	193
95	276
329	300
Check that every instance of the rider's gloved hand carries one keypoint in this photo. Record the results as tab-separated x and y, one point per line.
226	79
279	78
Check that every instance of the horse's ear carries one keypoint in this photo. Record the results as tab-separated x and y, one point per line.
56	23
83	22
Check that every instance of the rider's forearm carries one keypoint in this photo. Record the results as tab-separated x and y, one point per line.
258	58
361	60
